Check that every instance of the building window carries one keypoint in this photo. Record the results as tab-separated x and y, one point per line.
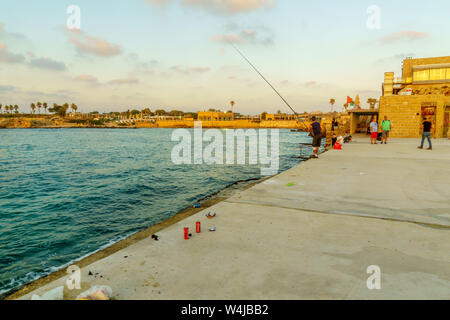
437	74
422	75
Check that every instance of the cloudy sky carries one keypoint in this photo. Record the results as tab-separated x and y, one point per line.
174	53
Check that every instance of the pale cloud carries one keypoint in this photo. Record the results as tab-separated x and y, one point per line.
47	64
190	70
86	78
396	58
140	65
86	44
50	95
233	38
8	57
251	35
220	6
404	35
7	88
3	33
310	84
124	81
158	2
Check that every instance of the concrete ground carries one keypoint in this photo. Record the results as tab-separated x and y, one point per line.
384	205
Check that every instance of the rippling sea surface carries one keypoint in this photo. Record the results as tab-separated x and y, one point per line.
66	193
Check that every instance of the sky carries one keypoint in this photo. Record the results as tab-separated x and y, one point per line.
175	54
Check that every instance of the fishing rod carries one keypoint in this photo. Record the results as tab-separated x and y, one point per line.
267	81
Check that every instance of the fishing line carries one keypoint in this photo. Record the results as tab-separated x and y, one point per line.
267	81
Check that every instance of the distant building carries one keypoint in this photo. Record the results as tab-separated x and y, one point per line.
278	117
422	90
215	116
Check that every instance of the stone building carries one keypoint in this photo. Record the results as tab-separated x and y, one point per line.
278	116
215	116
422	91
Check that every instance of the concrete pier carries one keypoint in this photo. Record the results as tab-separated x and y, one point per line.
384	205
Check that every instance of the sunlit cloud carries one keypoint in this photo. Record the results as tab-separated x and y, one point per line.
86	78
403	35
86	44
124	81
220	6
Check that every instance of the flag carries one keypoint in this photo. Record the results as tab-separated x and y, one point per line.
349	100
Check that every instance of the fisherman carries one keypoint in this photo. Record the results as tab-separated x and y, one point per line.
315	131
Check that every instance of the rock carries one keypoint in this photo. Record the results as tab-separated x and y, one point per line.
97	293
55	294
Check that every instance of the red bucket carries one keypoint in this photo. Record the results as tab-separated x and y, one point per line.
186	233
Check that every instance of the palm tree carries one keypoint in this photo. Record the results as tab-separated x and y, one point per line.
1	108
45	106
74	107
372	102
39	106
6	109
332	102
33	107
16	107
65	108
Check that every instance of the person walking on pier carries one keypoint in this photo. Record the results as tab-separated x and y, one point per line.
316	132
373	131
386	126
426	134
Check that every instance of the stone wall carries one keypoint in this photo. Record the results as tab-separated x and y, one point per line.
405	113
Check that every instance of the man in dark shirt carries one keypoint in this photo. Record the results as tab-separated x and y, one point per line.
334	124
316	132
426	134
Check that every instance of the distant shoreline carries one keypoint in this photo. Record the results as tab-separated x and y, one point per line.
301	129
63	123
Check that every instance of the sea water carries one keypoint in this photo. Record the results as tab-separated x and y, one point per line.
66	193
